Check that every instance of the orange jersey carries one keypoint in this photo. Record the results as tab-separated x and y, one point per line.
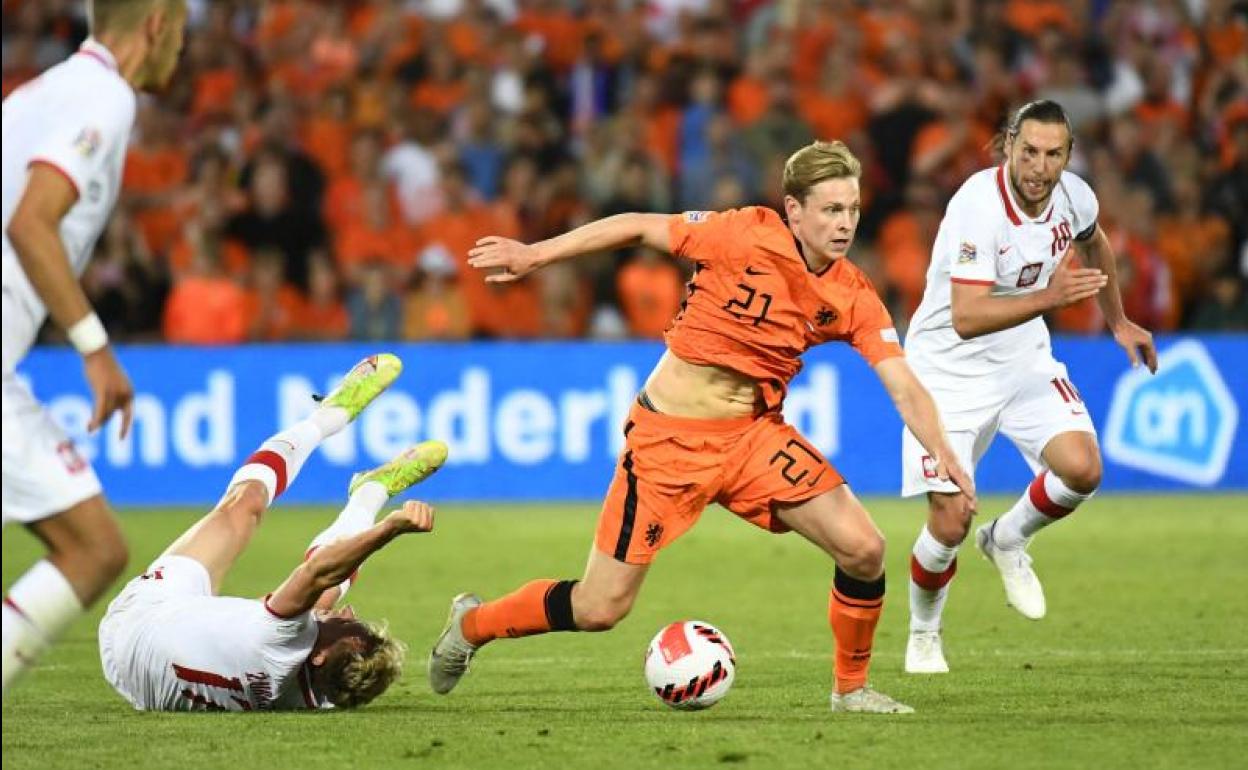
755	307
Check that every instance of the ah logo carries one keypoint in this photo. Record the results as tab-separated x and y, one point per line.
1178	423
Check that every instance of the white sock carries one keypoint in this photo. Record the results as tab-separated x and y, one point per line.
277	461
359	514
37	610
1046	500
932	565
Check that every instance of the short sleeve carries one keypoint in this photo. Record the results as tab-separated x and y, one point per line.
83	140
873	334
969	247
702	235
1084	206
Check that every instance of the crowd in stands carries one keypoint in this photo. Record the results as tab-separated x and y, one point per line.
320	168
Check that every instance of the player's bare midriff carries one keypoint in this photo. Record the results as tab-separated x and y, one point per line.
682	389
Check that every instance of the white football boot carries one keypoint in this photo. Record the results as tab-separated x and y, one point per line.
452	653
865	700
924	654
1023	591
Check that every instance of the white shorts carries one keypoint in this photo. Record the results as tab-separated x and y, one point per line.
1038	404
126	621
43	474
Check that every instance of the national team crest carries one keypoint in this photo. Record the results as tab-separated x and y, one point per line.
966	253
87	142
1029	274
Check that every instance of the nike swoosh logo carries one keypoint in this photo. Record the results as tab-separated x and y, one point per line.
1076	412
1004	249
750	270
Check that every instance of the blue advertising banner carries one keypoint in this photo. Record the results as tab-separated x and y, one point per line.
541	421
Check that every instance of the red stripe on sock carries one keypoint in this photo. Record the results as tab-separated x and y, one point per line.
931	581
275	462
13	606
1040	499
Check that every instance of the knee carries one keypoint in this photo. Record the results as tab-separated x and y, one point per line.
601	614
949	519
1084	475
101	559
865	561
112	556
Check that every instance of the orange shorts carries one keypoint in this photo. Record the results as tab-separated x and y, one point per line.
673	467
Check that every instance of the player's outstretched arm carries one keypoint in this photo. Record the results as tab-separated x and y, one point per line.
918	411
34	231
1097	252
335	562
513	260
977	311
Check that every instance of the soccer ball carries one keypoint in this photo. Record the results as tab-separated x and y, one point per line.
690	665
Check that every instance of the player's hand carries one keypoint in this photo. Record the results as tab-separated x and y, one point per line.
414	516
111	387
950	470
1073	284
512	259
1138	343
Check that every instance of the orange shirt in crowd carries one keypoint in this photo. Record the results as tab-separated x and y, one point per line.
439	96
650	293
357	244
327	140
747	99
322	321
1182	243
155	172
905	252
436	313
1030	17
832	117
214	92
205	310
562	32
275	317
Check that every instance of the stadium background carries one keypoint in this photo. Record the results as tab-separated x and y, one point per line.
307	188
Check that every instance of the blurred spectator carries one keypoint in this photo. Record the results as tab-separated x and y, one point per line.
273	221
650	290
206	307
376	235
435	307
410	164
322	316
373	308
126	283
272	306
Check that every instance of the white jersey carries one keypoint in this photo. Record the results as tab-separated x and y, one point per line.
75	117
168	644
986	238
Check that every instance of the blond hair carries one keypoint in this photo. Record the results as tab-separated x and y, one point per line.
818	162
356	674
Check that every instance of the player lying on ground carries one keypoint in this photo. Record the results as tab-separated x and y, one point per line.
64	144
708	428
977	341
169	643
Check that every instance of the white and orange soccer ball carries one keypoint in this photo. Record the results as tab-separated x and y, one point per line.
690	665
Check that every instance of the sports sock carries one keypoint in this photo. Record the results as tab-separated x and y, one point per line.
279	459
853	612
37	610
932	565
359	514
536	607
1046	500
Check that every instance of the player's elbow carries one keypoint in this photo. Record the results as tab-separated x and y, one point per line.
964	324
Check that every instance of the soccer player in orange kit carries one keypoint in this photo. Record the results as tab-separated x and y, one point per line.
707	427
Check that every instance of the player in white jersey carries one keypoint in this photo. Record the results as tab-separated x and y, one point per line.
169	642
64	144
978	342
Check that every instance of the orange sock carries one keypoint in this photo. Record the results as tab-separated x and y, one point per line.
853	612
536	607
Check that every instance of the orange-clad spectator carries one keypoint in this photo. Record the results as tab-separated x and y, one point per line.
950	149
272	307
566	300
277	19
442	89
1225	31
560	31
1193	243
747	94
1158	110
905	242
435	308
322	315
327	134
344	198
886	26
376	235
650	124
835	107
206	225
206	307
497	310
814	36
154	171
1029	17
650	290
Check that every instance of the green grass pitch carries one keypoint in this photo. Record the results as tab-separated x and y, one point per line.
1142	662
